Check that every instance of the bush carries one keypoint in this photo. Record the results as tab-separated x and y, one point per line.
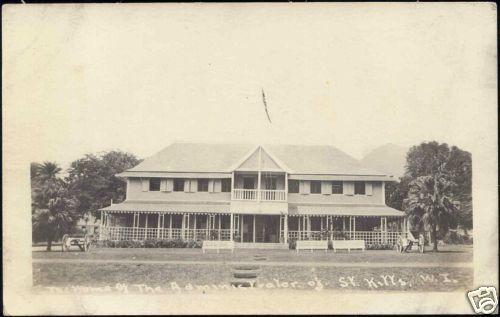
452	237
383	246
292	244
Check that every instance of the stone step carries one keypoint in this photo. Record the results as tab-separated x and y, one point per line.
246	267
243	282
246	274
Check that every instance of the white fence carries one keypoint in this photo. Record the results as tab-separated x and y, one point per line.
130	233
253	194
370	237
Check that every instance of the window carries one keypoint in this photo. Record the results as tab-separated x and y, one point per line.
315	187
337	187
359	188
203	185
226	185
270	182
178	185
154	184
293	186
249	182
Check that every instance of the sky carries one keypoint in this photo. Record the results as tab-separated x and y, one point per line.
92	78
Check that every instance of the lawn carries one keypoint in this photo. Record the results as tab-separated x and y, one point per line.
447	254
134	269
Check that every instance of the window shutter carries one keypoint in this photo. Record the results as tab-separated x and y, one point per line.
326	188
217	186
145	184
186	185
211	186
305	187
163	185
170	185
193	186
349	188
369	188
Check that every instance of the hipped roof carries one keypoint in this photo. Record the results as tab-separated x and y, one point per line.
225	158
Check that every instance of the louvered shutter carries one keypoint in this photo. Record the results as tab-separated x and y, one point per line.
217	186
211	186
163	185
145	184
349	188
369	188
193	185
170	185
326	188
187	185
305	187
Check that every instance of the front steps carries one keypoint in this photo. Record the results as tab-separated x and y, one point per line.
251	245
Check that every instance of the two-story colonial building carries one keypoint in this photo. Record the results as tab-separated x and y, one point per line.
259	196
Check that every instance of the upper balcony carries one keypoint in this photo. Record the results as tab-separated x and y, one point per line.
272	186
256	195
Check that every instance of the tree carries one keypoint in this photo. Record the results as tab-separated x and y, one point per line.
396	192
52	207
430	204
432	158
93	183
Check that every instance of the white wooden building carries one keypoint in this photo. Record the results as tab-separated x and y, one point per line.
258	196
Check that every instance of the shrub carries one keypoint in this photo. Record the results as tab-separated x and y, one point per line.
452	237
383	246
292	244
150	244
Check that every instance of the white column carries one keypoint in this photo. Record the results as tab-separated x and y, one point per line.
286	228
254	228
231	227
158	229
232	185
258	185
286	186
194	227
282	219
170	227
220	227
208	227
241	228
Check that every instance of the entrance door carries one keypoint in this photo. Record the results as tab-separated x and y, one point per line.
267	229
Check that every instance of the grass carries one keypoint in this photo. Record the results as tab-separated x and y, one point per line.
166	275
269	277
448	254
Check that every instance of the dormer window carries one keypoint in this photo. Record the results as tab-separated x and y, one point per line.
154	184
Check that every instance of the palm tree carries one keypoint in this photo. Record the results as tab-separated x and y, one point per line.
430	204
46	171
52	206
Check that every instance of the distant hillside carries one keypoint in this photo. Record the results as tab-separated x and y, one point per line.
389	158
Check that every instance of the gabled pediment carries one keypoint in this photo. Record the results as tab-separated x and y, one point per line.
259	159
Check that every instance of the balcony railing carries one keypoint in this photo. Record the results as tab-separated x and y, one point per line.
255	194
245	194
272	195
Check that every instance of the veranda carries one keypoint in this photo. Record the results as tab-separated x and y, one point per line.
249	228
